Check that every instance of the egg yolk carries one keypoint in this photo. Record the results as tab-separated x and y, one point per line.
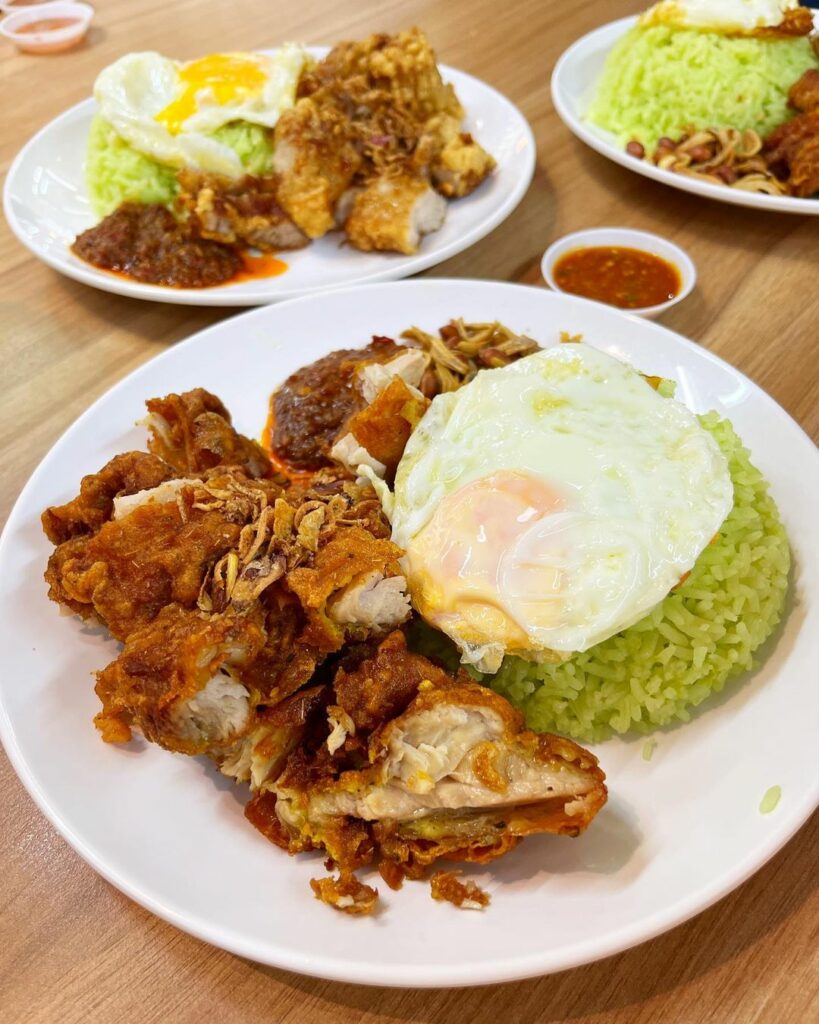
455	563
227	76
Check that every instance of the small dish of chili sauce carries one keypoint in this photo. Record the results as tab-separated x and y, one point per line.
633	270
47	27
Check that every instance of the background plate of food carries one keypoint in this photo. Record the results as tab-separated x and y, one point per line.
721	100
231	587
379	171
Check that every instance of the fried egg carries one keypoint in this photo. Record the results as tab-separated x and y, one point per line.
167	110
549	504
719	15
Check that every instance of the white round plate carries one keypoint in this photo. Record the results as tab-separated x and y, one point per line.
573	82
46	206
678	832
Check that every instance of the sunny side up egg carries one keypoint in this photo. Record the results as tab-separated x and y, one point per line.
547	505
719	15
167	110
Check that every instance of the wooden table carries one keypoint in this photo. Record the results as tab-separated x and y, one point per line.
72	949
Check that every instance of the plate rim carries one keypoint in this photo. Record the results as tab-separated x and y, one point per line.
514	968
222	296
702	189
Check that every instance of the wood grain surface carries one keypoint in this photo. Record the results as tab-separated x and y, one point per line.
72	949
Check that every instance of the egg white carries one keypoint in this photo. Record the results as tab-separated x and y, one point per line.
547	505
719	15
133	92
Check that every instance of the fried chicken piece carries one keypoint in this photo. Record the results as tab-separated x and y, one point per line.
781	145
792	152
400	71
177	681
315	160
404	119
804	179
321	566
460	166
450	771
383	427
375	436
312	405
798	21
340	569
133	566
85	514
259	757
803	95
243	210
393	212
193	433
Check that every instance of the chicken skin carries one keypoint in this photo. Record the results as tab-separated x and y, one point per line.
157	554
94	505
792	149
193	433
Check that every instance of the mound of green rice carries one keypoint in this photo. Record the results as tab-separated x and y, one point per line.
698	638
115	172
659	80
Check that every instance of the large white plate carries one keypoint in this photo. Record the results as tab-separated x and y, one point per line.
573	82
46	205
678	833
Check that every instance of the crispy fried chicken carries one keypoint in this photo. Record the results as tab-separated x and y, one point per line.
157	554
315	158
193	433
792	149
413	765
177	681
382	428
124	474
260	618
803	95
393	212
373	135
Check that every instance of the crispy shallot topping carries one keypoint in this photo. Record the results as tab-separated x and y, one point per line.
278	538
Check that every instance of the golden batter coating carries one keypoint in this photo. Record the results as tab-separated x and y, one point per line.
414	765
193	433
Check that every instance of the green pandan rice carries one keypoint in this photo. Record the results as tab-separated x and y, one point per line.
116	172
704	633
658	80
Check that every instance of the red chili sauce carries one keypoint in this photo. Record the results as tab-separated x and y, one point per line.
309	409
627	278
145	242
47	25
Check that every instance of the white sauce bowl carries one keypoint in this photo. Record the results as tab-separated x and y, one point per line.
629	239
55	40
